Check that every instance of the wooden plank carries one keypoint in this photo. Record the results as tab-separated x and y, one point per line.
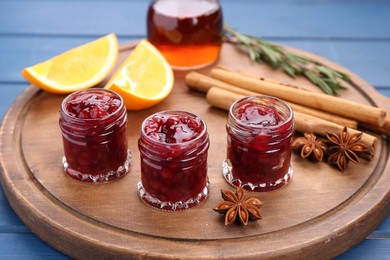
384	91
372	63
6	100
383	231
23	246
288	18
18	245
20	52
368	59
53	206
27	246
9	221
368	249
285	28
72	17
312	19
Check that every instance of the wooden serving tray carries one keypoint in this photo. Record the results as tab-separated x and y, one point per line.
320	213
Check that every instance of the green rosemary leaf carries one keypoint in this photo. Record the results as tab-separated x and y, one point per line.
272	57
252	54
327	79
320	83
289	70
296	58
310	76
333	84
326	87
343	76
326	72
245	40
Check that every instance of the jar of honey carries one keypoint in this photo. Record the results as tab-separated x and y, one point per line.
260	131
93	124
173	147
187	32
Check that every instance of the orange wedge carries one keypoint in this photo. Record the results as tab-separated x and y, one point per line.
79	68
144	79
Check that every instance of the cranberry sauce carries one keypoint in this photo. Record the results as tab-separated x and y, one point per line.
92	105
254	115
260	131
93	124
173	146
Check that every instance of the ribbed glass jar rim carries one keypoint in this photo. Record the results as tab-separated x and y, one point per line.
174	112
69	117
260	100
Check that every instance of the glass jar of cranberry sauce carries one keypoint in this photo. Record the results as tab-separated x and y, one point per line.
93	124
173	146
260	131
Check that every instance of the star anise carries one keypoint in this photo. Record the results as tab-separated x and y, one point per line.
310	146
345	148
237	206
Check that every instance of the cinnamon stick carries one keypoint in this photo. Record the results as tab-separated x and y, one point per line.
203	83
223	99
361	113
245	73
325	116
385	129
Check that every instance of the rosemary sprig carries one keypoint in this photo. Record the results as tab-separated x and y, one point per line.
328	79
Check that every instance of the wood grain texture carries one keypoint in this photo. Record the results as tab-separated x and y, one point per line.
320	212
76	18
371	64
12	242
352	33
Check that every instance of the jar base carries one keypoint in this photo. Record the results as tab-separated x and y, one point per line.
100	178
193	67
152	201
254	187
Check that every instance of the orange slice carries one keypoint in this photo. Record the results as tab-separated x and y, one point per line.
79	68
144	79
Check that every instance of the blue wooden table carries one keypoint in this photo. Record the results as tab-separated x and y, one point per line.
355	34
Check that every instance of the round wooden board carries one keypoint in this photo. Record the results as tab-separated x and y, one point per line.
320	213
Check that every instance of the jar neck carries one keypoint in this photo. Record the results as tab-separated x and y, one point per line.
197	145
117	115
100	125
243	130
171	151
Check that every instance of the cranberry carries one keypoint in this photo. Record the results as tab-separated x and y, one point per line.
91	105
258	115
173	128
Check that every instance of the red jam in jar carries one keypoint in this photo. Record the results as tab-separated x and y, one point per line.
93	124
173	146
260	131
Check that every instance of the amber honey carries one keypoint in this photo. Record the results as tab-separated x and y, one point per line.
187	32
